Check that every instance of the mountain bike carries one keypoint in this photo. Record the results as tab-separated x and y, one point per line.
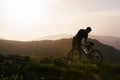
86	54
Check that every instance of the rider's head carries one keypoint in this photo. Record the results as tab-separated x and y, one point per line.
88	29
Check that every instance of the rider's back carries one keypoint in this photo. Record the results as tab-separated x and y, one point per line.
81	34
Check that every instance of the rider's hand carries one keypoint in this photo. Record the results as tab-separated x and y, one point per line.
91	43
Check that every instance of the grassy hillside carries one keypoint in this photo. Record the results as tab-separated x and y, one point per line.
55	48
13	67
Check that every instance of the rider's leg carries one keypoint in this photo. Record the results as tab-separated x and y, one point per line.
80	50
80	53
73	47
70	52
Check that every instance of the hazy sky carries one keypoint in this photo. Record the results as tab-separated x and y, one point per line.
30	19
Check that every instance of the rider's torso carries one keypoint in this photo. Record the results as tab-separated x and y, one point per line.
81	34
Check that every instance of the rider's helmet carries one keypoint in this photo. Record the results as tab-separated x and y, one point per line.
88	29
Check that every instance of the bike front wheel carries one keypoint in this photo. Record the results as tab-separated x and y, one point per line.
96	57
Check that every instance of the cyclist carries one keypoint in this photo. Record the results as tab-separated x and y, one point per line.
81	35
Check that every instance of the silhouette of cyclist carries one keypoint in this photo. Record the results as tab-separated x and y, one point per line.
81	35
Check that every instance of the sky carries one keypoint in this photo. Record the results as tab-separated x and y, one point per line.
26	20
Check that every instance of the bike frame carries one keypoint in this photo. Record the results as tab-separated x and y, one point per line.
88	49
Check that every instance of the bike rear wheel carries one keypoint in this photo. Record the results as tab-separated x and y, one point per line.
74	55
96	57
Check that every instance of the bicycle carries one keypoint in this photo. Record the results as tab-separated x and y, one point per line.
92	55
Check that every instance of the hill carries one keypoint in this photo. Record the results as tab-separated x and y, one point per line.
56	48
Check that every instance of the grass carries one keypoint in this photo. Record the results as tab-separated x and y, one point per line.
26	68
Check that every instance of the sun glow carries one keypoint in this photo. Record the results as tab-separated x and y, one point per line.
22	17
27	11
30	19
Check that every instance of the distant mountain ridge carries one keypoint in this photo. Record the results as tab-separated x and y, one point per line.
54	37
109	40
1	38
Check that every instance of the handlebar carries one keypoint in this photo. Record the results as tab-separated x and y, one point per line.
90	44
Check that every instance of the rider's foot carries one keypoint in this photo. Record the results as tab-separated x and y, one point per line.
68	58
88	55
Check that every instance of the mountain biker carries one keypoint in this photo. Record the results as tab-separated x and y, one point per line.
81	35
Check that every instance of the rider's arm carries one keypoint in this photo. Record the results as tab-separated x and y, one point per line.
85	40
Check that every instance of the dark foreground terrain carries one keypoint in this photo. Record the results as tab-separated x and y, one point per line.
13	67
